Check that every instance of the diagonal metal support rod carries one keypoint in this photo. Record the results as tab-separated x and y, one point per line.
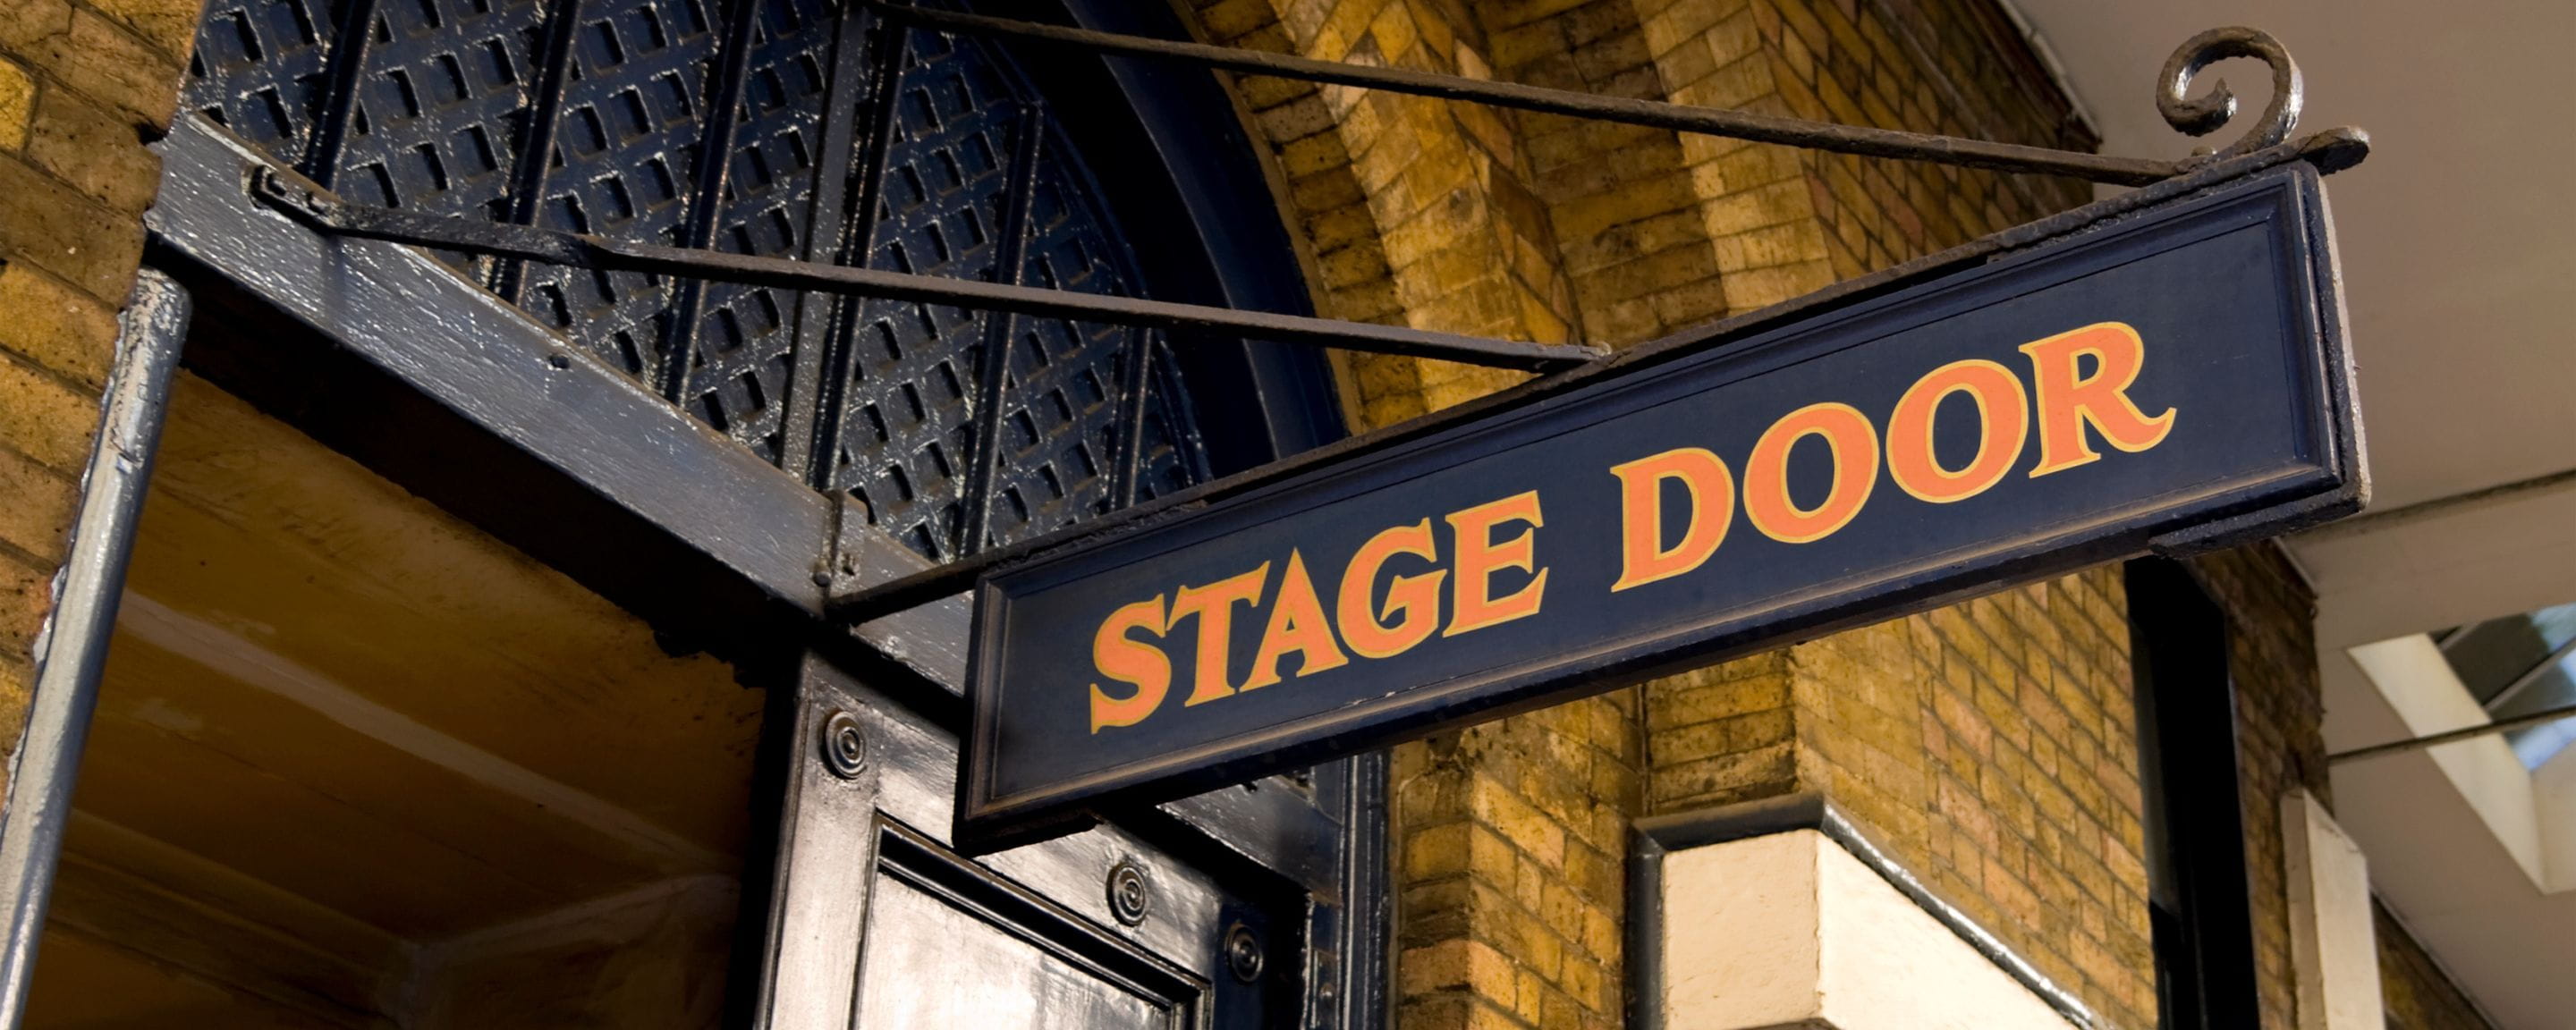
1864	140
2546	715
331	216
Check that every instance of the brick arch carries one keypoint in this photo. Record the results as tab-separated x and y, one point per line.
1782	221
1464	218
1409	210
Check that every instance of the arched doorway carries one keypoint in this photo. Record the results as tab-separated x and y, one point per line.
944	430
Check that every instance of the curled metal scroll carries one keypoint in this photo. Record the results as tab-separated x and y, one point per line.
2202	116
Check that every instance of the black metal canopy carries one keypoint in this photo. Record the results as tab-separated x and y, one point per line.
2266	144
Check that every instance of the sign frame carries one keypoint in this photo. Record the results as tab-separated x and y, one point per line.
2289	199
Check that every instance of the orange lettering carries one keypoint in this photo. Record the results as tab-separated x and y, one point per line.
1297	624
1854	444
1417	596
1214	606
1131	661
2003	419
1472	605
1643	558
2068	401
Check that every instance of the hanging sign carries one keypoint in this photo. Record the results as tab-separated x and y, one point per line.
2175	380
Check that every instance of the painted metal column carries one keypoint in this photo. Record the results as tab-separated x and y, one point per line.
826	854
71	649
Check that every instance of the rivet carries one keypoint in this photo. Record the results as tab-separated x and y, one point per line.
1130	896
845	745
1243	952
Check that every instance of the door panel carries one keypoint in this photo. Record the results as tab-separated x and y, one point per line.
947	947
1105	928
922	941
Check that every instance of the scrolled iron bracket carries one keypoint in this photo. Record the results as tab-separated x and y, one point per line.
2206	114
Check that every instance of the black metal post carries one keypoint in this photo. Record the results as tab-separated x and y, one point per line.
993	370
73	648
867	68
348	59
536	149
1128	462
706	207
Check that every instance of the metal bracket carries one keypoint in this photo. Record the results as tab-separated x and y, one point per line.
850	532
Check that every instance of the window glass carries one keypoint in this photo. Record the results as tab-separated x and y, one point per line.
2518	665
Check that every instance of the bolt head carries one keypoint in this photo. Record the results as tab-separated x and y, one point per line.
845	745
1243	952
1131	896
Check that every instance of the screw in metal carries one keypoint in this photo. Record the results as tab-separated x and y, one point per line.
1243	952
1130	896
845	745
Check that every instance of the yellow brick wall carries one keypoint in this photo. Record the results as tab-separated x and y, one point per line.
1989	747
2420	994
83	86
1414	211
1619	198
1510	835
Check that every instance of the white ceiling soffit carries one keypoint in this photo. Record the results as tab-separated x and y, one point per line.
2458	240
2458	236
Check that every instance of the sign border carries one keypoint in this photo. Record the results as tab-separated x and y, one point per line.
2211	517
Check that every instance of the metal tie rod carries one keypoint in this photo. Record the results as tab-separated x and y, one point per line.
327	214
2546	715
1867	141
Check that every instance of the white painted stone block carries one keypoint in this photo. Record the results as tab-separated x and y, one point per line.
2333	945
1790	930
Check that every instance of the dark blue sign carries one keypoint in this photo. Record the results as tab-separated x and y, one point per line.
2176	379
